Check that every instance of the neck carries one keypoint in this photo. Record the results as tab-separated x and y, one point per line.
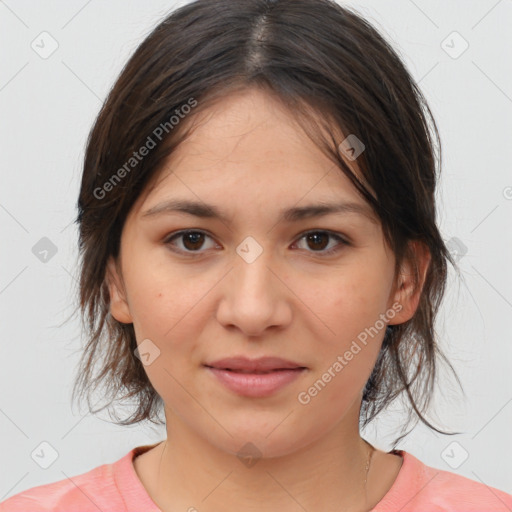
327	474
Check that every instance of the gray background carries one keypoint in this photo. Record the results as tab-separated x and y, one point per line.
47	108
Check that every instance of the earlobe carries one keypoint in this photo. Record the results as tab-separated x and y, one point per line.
118	304
408	293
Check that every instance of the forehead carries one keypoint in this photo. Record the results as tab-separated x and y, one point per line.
252	127
250	146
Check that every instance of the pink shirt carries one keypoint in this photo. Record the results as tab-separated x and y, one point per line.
116	487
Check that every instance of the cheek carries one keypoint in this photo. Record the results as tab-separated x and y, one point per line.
172	311
163	298
167	311
347	355
354	300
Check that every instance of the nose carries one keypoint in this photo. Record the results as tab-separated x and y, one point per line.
255	297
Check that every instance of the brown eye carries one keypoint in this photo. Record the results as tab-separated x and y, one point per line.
317	241
191	241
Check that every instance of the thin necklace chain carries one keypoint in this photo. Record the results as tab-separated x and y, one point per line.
367	468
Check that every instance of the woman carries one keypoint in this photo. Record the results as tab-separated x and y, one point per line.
261	261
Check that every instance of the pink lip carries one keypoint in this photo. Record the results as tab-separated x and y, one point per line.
256	385
255	377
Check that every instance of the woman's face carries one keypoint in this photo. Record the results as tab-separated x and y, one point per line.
253	283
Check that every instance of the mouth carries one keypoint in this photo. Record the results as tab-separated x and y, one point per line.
257	372
261	365
257	378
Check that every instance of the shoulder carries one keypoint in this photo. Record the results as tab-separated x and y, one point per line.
419	487
94	490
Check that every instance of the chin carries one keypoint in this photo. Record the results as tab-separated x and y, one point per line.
261	441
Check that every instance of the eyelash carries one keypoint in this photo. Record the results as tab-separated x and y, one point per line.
342	241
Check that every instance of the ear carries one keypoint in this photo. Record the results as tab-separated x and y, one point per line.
405	295
119	308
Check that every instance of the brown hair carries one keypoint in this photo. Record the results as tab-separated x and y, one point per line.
333	71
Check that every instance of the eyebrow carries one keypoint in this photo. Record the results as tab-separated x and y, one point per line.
207	211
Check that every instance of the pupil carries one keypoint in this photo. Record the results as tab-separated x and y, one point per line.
195	238
314	237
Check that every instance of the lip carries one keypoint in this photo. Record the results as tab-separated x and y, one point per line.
256	378
261	364
256	385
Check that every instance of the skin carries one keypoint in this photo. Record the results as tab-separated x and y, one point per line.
248	157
